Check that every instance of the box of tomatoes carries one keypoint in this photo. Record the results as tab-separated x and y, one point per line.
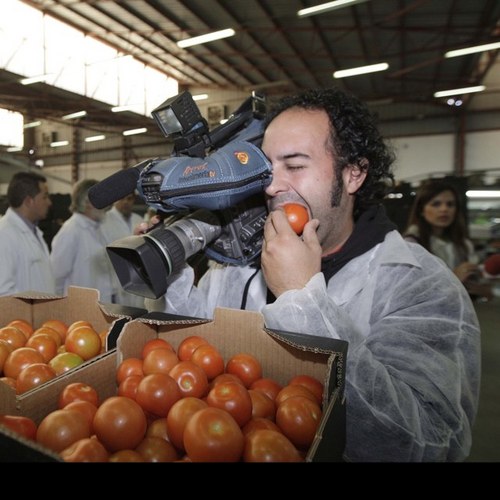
282	356
81	305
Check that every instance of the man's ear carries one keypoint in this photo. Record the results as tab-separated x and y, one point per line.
354	176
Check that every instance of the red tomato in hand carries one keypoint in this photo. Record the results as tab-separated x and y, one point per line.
297	216
212	435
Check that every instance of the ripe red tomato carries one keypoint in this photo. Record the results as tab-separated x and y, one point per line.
191	379
46	330
311	383
260	423
129	366
44	344
20	358
178	417
86	408
209	359
159	360
23	325
59	326
119	423
13	336
262	405
78	391
155	344
126	456
225	377
246	367
297	216
61	428
298	418
212	435
290	391
158	428
264	445
128	386
268	386
85	450
188	346
156	393
155	449
234	398
5	350
24	426
84	341
34	375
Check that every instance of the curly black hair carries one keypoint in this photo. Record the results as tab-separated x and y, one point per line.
355	138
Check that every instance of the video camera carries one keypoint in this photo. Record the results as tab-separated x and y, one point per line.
210	192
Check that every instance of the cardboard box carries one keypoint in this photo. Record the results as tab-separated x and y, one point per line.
282	355
79	304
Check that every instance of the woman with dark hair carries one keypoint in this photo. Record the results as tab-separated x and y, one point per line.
437	222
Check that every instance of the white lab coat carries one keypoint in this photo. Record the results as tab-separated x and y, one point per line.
413	361
79	257
114	227
25	263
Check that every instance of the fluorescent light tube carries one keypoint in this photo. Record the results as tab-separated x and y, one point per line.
58	144
34	79
200	97
134	131
472	50
325	7
94	138
119	109
482	194
209	37
78	114
361	70
14	149
32	124
465	90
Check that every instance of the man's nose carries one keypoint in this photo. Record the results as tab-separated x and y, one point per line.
276	185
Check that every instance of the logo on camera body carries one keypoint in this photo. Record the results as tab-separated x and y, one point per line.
242	157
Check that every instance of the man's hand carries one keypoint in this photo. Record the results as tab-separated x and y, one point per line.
289	261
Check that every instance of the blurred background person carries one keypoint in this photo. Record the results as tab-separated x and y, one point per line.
25	263
120	222
437	222
79	254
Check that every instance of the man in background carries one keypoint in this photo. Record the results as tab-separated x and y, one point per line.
25	264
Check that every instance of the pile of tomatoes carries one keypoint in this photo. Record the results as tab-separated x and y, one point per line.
187	404
32	356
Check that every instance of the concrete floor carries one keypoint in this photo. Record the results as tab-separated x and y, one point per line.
486	431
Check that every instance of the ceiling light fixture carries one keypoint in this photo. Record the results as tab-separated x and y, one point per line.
361	70
465	90
32	124
472	50
119	109
326	7
134	131
209	37
94	138
14	149
482	194
77	114
200	97
58	144
35	79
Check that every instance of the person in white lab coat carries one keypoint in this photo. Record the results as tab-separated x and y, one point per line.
413	365
25	263
118	223
79	256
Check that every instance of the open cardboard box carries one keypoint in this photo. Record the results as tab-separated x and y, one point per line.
282	355
79	304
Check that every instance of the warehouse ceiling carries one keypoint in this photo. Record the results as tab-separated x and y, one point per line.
276	52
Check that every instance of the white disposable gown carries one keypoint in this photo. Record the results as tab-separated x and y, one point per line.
79	257
413	362
25	263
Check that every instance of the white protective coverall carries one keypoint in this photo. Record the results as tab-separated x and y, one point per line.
25	263
413	362
79	257
114	227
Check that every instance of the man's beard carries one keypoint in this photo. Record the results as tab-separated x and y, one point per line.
337	188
